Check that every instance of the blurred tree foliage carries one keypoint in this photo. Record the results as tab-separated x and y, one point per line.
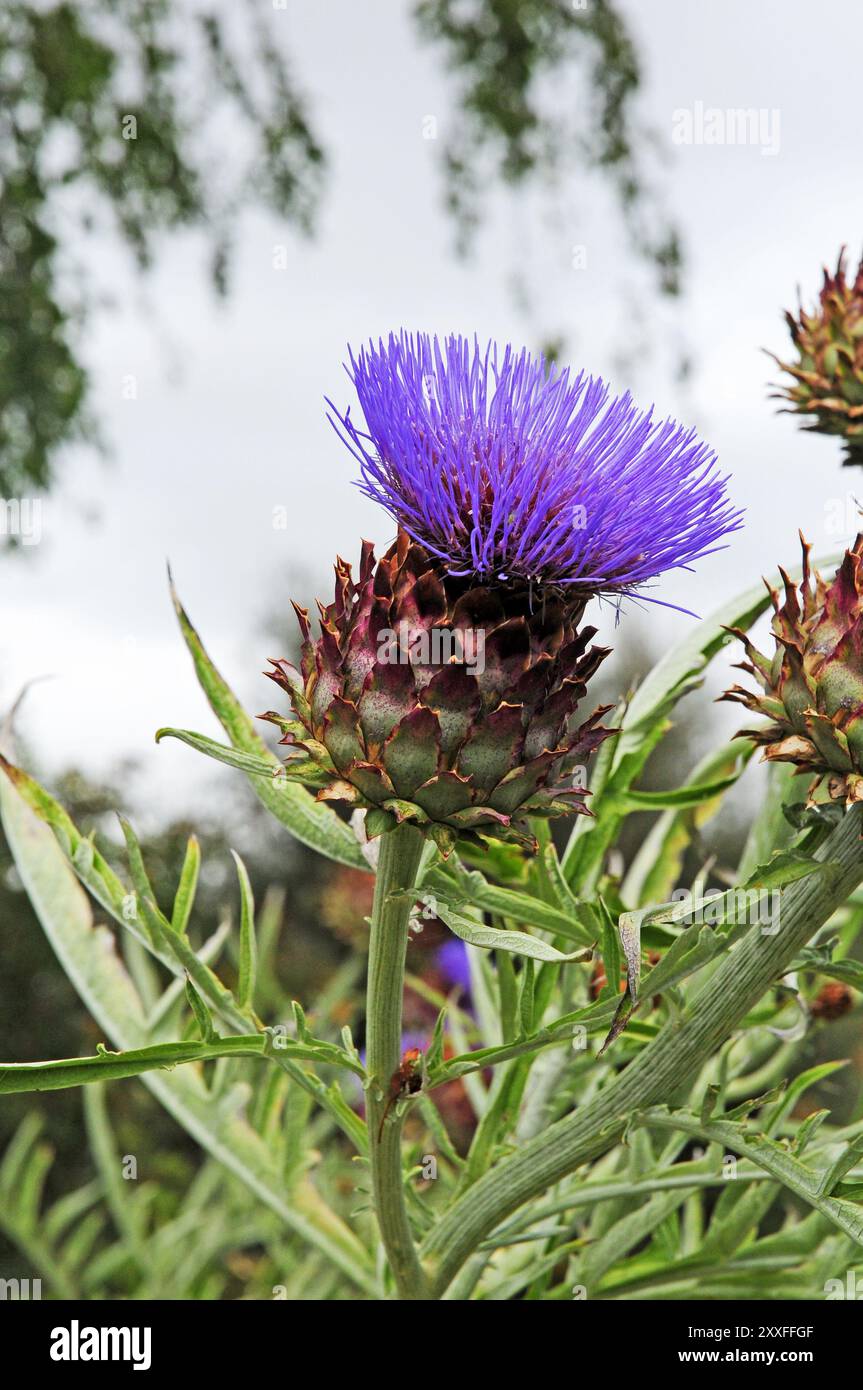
106	107
117	109
507	56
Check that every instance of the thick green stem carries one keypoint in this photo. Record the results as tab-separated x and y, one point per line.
397	870
662	1067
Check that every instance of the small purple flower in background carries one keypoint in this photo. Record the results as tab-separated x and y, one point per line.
451	960
507	469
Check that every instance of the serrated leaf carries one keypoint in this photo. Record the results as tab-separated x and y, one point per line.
91	963
311	821
473	889
772	1157
491	939
645	721
93	870
17	1077
786	867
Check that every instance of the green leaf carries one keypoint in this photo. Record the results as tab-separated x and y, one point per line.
88	956
526	999
310	821
645	722
87	863
143	888
434	1052
473	889
125	1214
203	1017
248	945
816	960
206	980
491	939
837	1170
786	867
655	870
629	929
770	1156
728	915
594	1018
18	1155
610	949
797	1088
686	797
111	1066
209	951
250	763
90	961
187	888
626	1233
135	912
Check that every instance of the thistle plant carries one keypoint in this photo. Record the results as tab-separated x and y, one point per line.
444	688
827	375
436	733
812	688
513	489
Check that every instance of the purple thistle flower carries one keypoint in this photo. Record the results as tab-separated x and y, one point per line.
504	467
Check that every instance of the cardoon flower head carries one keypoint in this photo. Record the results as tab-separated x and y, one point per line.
505	469
812	687
443	689
827	387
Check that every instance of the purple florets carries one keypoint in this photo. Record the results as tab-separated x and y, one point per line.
504	467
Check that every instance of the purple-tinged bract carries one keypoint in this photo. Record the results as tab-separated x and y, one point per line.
453	705
811	689
505	468
827	387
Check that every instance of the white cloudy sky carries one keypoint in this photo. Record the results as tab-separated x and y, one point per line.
229	423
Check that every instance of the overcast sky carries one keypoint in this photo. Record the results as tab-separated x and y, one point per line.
229	422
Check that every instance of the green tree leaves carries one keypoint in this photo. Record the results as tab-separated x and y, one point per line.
99	97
